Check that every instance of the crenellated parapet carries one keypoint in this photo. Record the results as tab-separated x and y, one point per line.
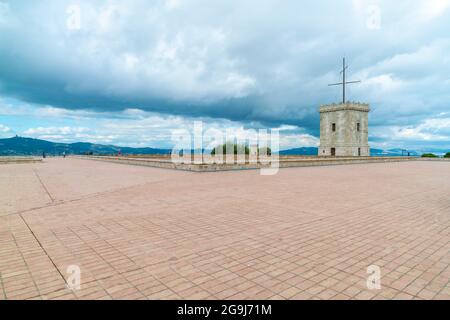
356	106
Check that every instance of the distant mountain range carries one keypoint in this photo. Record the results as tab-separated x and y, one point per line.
312	151
393	152
27	146
305	151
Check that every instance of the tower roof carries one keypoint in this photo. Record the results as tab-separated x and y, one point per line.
355	106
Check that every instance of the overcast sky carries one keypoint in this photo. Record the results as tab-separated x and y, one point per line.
129	72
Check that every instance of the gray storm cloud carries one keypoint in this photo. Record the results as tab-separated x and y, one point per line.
264	61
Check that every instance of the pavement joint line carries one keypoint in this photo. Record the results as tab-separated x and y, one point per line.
118	272
1	284
70	250
56	203
45	251
30	210
43	185
25	262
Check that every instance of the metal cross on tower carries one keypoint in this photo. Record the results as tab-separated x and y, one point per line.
343	83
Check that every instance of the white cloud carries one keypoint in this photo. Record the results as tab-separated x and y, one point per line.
68	134
5	13
5	132
383	82
253	61
291	141
416	134
431	9
63	131
287	128
433	130
173	4
4	129
150	130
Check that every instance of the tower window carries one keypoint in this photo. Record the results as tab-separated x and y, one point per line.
333	127
358	126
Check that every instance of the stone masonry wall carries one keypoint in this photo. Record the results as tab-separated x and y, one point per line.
346	139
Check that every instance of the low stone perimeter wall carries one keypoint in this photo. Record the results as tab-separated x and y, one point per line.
284	162
435	159
6	160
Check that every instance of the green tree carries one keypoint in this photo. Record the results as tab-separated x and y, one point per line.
231	146
429	155
447	155
265	151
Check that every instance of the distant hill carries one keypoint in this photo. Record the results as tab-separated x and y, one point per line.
305	151
312	151
393	152
28	146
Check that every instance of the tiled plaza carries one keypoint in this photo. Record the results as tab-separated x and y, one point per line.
148	233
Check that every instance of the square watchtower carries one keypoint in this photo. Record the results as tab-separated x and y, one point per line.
344	130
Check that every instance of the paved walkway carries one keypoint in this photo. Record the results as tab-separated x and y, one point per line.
147	233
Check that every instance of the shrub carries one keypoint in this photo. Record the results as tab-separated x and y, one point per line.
429	155
235	147
265	151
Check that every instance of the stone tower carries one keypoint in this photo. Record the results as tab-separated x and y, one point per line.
344	130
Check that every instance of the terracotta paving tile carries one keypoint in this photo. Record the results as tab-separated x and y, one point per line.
352	291
301	296
290	292
305	233
340	296
327	294
315	290
426	294
442	297
366	295
226	294
403	296
261	295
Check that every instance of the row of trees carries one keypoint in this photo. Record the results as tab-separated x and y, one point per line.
432	155
239	149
